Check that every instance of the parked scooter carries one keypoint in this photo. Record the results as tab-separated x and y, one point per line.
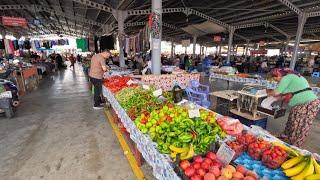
9	100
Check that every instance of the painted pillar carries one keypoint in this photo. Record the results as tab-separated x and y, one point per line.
156	36
302	20
194	46
172	49
231	32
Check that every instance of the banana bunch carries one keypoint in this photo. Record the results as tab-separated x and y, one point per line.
185	153
302	168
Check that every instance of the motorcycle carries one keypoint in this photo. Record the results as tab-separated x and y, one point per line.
9	99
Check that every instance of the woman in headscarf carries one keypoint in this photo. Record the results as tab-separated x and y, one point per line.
303	103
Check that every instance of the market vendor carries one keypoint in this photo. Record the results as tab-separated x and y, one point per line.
304	104
97	68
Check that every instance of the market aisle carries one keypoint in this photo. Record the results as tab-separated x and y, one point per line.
57	135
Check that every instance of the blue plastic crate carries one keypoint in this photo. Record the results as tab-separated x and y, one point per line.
261	170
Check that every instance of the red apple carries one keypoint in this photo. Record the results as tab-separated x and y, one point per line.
189	171
201	172
196	177
208	161
198	159
205	165
196	165
211	155
214	170
184	164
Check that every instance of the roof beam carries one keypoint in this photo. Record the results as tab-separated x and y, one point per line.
278	30
204	16
291	6
94	5
313	14
250	25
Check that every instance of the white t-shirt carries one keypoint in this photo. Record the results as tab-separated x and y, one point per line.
264	65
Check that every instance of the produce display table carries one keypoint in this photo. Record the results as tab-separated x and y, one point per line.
162	165
162	168
268	84
166	81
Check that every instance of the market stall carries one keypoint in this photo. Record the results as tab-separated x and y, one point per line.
163	131
262	82
27	79
166	81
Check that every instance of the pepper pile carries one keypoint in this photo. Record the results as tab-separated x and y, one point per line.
171	126
116	83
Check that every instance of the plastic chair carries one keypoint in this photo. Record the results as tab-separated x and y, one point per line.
196	86
315	74
197	97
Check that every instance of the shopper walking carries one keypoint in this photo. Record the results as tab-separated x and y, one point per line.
72	60
97	68
304	104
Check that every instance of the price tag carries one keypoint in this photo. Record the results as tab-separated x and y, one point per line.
225	154
194	113
145	87
130	82
157	93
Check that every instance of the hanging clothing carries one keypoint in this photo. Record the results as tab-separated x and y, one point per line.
2	44
15	45
8	46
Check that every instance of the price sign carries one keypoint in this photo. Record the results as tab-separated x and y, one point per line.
130	82
194	113
157	93
145	87
225	154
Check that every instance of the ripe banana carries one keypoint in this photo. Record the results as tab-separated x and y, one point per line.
173	155
290	151
178	150
296	169
292	162
313	177
308	170
190	153
316	166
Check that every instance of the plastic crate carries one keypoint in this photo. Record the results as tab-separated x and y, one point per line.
261	170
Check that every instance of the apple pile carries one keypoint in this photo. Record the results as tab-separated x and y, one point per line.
256	149
273	158
210	168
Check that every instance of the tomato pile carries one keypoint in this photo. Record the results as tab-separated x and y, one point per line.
259	149
117	83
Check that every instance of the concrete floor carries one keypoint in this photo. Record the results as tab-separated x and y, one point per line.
56	135
275	126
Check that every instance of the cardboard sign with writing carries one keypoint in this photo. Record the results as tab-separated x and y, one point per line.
225	154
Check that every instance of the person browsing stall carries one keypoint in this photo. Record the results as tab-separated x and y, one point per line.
303	103
97	69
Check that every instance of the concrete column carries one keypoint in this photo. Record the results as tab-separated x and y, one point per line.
120	16
231	32
185	50
194	46
172	49
302	20
247	47
156	37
